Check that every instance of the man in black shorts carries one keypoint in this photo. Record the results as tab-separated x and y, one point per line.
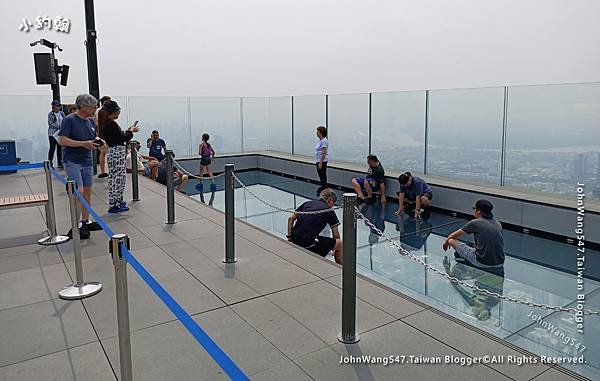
305	231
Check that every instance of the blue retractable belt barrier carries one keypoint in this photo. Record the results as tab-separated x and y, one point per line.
20	166
97	218
220	357
85	204
58	175
199	334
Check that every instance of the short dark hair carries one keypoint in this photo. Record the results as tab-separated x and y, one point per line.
403	178
155	131
322	130
205	137
372	157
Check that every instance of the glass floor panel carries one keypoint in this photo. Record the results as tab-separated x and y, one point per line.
536	269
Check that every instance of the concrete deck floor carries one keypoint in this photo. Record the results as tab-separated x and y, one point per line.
276	312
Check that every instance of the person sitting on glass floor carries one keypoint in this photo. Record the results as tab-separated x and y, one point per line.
146	165
303	229
489	242
414	194
375	179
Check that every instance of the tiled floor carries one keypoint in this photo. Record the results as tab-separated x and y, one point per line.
276	312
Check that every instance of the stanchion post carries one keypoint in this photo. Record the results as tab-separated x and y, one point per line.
53	238
134	173
170	189
229	216
116	252
80	289
348	334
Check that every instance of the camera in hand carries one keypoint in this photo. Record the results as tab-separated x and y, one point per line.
99	141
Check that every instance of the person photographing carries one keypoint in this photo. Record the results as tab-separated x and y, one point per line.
116	139
157	147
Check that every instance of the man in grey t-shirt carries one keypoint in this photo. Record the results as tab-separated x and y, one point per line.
489	243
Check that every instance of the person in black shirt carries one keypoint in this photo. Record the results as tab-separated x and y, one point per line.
115	140
375	179
304	229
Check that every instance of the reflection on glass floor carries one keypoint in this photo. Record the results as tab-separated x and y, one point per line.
379	260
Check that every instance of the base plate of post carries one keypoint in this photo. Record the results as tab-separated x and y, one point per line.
353	340
53	240
230	261
80	291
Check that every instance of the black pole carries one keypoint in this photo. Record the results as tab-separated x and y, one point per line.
92	57
55	85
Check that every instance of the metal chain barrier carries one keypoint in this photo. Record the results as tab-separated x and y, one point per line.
322	211
571	310
193	176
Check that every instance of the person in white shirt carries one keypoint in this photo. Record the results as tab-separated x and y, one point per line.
55	118
322	157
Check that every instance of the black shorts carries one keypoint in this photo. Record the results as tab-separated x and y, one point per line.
205	160
322	245
413	197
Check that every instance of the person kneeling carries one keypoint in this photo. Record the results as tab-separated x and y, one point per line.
415	193
303	229
375	179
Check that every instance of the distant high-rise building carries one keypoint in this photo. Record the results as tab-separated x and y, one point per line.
580	167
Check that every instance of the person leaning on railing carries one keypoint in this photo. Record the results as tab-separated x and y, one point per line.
303	229
77	135
116	139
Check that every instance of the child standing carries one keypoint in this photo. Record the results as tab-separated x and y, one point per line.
207	153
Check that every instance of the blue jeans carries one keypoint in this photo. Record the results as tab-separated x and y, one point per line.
81	174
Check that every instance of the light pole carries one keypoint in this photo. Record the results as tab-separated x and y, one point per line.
49	65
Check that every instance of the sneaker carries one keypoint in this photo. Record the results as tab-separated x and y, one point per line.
92	226
458	258
118	209
60	166
84	233
102	175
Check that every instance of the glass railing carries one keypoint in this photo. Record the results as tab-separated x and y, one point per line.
537	138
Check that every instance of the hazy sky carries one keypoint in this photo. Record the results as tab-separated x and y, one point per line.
278	47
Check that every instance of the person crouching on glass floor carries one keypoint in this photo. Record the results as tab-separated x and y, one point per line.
489	242
303	229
